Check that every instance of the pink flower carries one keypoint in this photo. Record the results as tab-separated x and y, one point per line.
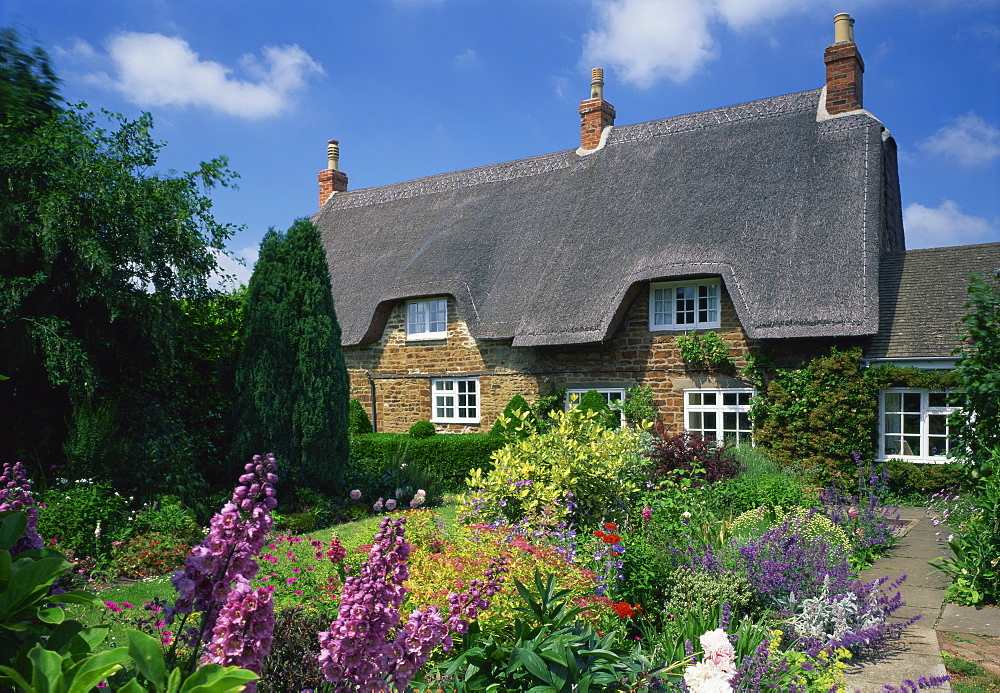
378	505
718	650
647	513
390	504
355	494
853	512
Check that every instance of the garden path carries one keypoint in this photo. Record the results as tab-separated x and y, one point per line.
917	653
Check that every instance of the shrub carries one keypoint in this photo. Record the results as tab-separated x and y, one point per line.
357	419
168	516
907	479
422	429
578	461
150	555
594	401
512	425
83	517
690	456
754	523
448	457
293	662
638	406
686	589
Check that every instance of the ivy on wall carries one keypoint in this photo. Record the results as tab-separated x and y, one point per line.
815	416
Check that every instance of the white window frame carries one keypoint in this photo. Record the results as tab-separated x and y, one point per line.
915	426
702	306
423	319
718	410
455	400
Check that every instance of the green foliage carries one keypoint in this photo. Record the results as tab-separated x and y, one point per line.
42	650
813	417
638	406
594	401
29	87
510	425
978	372
578	460
707	349
975	569
84	518
686	589
548	649
762	482
358	422
97	251
450	457
291	380
753	523
918	481
422	429
150	554
292	662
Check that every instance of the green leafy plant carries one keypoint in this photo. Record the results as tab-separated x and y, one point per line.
706	349
422	429
753	523
548	649
577	460
85	517
516	421
638	406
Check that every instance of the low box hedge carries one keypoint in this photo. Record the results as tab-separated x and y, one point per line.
450	455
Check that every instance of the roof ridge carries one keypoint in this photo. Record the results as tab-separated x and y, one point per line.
762	108
545	163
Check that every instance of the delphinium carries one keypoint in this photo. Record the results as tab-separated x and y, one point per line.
236	535
365	646
15	494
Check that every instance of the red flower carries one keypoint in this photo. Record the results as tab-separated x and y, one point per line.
625	610
610	526
611	538
598	533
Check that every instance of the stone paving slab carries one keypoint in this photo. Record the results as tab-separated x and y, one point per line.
916	654
970	619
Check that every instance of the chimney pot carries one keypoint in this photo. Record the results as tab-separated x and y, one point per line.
331	180
596	114
843	28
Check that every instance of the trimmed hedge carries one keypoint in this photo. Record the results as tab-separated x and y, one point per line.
452	456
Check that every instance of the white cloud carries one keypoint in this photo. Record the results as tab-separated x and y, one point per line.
969	140
231	273
933	227
157	70
467	59
648	40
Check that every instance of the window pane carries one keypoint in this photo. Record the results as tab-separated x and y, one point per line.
662	315
937	399
937	424
911	401
911	423
893	423
437	317
729	421
911	445
694	398
729	399
893	401
708	399
709	419
891	445
937	446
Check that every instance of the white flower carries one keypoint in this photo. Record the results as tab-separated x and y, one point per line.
719	650
706	677
97	529
685	514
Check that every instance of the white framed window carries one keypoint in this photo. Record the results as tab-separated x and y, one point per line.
427	319
913	425
721	414
455	400
684	305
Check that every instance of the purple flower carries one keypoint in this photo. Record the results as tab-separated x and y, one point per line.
15	494
243	632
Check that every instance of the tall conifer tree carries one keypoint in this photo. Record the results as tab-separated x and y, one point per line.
292	391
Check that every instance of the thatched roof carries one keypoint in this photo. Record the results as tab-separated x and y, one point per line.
787	208
923	294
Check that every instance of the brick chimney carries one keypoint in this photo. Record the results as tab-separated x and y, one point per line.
844	68
595	113
331	180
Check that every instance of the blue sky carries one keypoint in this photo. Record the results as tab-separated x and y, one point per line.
413	88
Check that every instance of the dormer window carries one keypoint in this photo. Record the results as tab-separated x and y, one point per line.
684	305
427	319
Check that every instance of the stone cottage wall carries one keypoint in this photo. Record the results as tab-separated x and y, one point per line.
401	371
